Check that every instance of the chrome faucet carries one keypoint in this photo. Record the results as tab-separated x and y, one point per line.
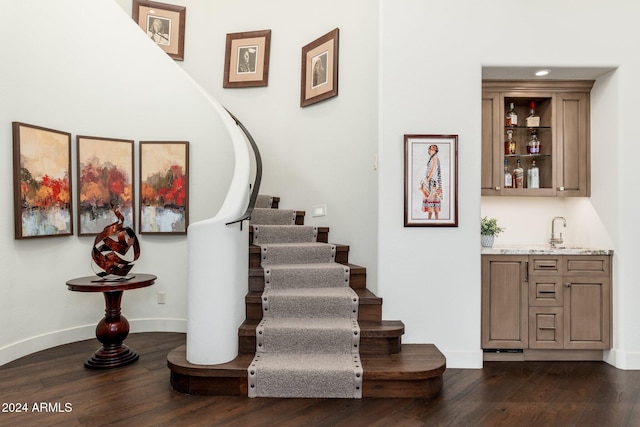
556	241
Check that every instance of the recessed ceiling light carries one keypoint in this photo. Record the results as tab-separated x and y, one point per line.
541	73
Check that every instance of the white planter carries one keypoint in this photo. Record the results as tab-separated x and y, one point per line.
486	241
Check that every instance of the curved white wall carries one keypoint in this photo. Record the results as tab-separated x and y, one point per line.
84	67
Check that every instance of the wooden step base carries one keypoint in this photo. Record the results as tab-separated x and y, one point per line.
342	255
323	234
369	305
357	278
416	372
383	337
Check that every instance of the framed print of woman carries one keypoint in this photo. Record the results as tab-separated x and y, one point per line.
431	180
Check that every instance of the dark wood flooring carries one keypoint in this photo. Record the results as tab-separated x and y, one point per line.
56	383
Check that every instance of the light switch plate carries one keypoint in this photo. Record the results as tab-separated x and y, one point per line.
319	210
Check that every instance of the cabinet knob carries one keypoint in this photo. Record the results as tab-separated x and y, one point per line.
560	188
568	284
498	188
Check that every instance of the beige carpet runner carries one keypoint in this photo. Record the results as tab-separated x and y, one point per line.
307	344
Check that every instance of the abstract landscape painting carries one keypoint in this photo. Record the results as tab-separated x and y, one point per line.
105	179
42	182
164	187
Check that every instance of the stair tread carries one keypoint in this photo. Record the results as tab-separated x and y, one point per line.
365	295
355	269
339	247
368	329
415	361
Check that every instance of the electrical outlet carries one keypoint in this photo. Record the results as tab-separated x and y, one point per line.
162	297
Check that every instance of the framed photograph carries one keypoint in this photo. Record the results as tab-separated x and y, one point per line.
164	187
41	182
246	62
105	178
163	23
320	69
431	180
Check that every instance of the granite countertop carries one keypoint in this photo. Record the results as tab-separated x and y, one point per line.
543	250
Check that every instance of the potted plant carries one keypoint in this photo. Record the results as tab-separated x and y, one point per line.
488	230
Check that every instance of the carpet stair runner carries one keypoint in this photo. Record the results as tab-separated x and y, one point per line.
308	307
308	339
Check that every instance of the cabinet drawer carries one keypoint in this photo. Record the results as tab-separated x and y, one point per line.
545	264
587	264
546	330
545	291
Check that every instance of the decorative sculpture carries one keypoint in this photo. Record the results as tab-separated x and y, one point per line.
112	245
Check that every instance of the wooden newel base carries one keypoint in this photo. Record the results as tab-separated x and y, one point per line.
111	331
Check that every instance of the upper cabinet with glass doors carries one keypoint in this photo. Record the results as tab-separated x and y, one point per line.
545	151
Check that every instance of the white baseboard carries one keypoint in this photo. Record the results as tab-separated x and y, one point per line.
463	359
623	360
34	344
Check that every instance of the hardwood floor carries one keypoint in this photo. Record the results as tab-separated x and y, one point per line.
502	394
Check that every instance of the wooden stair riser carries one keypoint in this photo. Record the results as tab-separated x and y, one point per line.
370	346
357	278
342	255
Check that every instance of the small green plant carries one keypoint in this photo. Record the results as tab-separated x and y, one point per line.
489	227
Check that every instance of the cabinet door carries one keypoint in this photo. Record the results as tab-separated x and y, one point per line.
545	328
587	312
504	302
491	181
573	145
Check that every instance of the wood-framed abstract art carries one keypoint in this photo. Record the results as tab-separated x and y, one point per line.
42	190
319	79
105	179
164	187
163	23
431	180
246	62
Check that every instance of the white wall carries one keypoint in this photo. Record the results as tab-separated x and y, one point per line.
86	68
322	154
111	83
432	55
405	67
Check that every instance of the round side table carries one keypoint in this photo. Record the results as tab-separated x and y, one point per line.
114	327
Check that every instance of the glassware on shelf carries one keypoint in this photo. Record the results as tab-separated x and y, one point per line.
533	146
508	178
533	120
533	176
511	119
518	176
509	143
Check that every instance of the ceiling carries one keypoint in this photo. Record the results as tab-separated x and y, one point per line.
555	73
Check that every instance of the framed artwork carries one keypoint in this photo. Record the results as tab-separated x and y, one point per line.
431	180
105	178
41	182
163	23
246	62
164	187
320	69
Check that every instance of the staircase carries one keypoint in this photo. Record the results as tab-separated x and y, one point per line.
390	368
